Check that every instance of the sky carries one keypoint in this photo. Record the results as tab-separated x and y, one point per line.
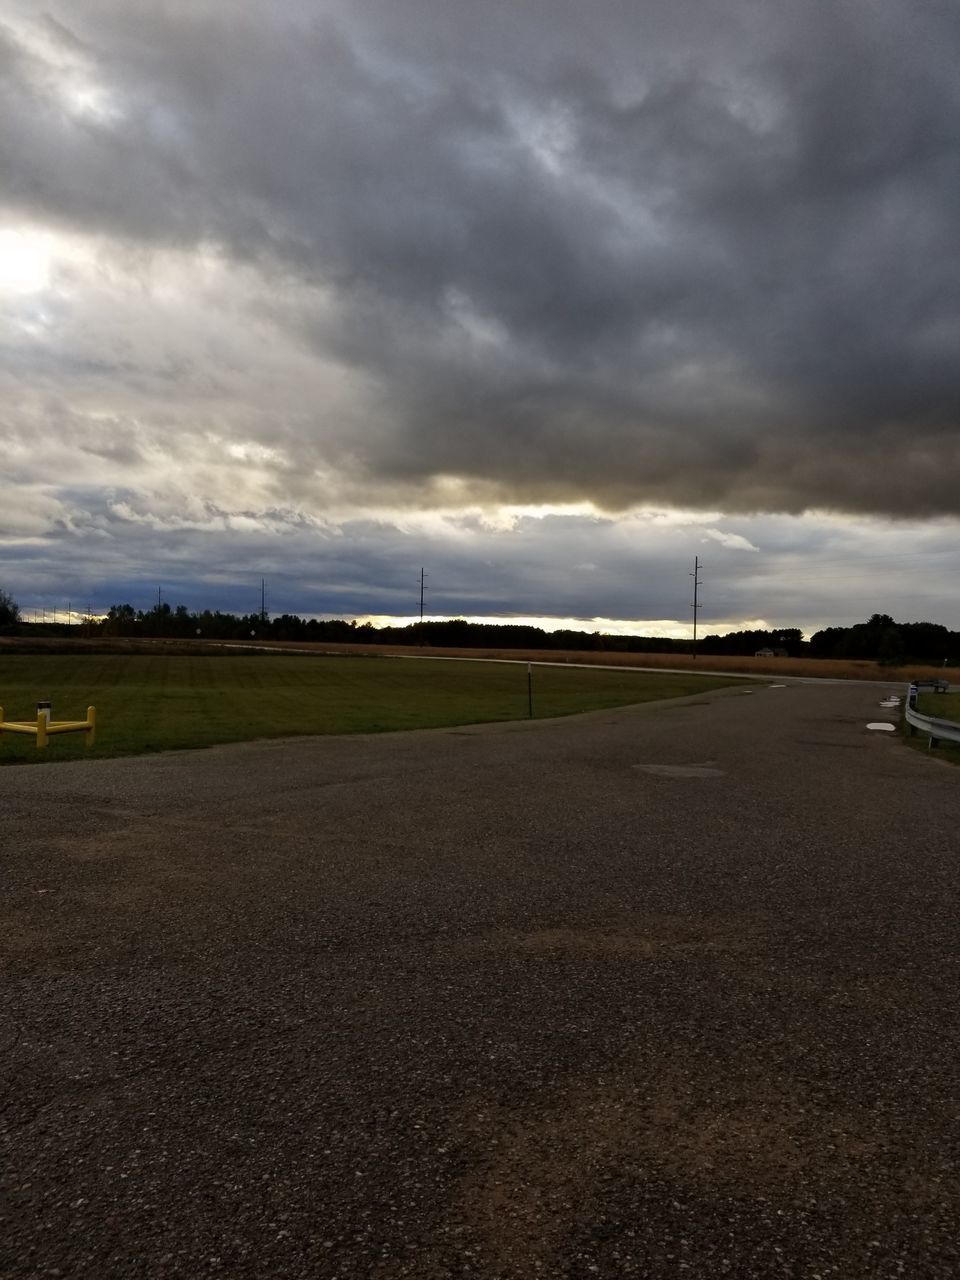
548	299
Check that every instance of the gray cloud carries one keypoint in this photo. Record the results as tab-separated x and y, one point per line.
675	253
120	546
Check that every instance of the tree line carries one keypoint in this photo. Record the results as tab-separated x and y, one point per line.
879	639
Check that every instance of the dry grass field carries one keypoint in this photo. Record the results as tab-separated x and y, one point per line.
825	669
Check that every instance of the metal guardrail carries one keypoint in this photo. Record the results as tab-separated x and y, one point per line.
936	729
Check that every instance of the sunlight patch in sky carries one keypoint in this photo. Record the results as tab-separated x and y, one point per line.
25	261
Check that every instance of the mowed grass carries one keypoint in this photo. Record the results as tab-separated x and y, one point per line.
946	706
168	702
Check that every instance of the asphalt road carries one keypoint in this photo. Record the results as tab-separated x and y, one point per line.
666	991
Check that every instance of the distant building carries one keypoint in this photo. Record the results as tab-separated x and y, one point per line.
771	653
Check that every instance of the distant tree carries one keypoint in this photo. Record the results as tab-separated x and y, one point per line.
183	622
827	643
288	626
120	620
926	641
890	648
9	610
791	638
569	639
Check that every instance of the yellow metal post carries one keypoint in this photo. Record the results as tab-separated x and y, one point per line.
90	736
41	728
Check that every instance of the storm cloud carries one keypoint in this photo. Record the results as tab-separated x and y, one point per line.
325	291
671	253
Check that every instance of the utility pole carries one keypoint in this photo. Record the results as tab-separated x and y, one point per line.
697	584
423	577
263	600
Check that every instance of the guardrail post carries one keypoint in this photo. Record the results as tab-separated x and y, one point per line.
912	704
90	736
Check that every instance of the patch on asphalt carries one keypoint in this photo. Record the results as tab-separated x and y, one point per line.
705	770
542	1175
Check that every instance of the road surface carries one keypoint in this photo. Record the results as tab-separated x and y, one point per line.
662	991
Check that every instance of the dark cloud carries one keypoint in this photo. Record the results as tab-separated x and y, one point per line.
691	254
115	547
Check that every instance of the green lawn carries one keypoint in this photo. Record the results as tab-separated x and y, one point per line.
946	706
164	702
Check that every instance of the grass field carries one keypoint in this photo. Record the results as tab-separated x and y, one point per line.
947	707
944	705
775	668
163	702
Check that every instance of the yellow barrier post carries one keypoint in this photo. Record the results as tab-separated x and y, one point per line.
44	727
